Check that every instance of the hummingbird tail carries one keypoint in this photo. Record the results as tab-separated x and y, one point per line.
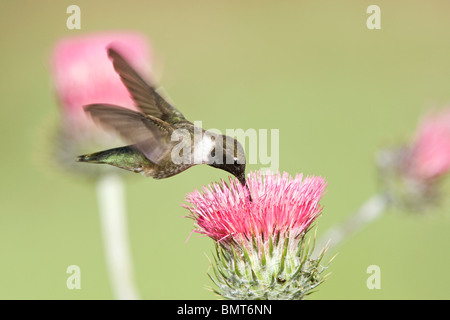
124	157
97	157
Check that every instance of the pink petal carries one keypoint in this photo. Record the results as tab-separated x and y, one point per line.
280	204
431	150
83	73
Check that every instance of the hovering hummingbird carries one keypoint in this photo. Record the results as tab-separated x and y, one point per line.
162	141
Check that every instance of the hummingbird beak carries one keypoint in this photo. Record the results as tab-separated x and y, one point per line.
242	180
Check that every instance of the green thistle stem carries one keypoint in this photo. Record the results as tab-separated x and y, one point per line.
372	209
113	219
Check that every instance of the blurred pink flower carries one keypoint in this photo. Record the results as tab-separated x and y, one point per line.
410	173
83	74
430	154
280	205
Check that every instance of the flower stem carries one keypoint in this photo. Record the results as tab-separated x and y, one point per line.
373	208
113	219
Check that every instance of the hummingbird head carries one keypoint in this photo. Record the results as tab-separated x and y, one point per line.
228	154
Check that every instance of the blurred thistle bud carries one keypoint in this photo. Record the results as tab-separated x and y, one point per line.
83	74
261	246
411	174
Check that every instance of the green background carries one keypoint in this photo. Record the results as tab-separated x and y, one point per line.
336	90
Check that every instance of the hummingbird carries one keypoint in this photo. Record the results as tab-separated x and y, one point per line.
162	142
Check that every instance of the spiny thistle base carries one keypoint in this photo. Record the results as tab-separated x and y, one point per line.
281	268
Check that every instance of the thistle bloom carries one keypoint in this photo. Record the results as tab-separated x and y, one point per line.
410	173
83	74
260	243
430	153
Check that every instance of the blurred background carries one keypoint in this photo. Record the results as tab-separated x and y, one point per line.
336	91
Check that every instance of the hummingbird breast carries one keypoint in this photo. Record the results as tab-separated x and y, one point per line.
194	148
164	170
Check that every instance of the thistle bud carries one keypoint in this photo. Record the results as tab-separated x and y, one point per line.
410	174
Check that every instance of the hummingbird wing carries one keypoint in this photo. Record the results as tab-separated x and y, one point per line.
145	96
150	135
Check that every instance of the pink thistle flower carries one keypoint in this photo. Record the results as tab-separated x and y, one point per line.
261	242
83	74
280	204
430	154
410	173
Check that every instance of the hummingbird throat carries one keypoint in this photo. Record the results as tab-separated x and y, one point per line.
203	147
